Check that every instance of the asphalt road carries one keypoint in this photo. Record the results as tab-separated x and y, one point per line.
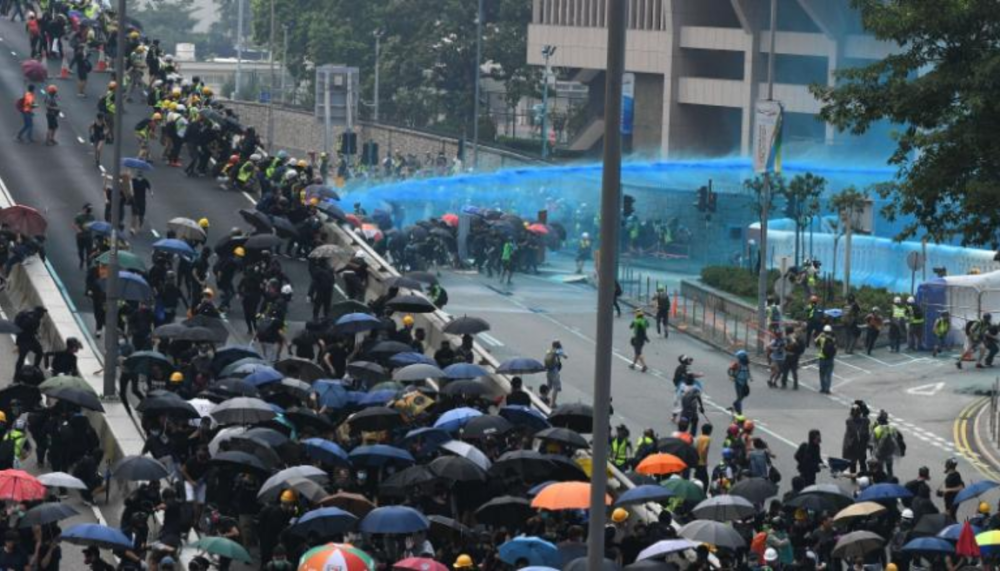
925	396
59	180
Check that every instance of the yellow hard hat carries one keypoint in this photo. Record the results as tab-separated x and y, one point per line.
288	496
112	85
407	320
175	91
173	106
203	223
463	562
240	252
208	292
3	416
302	164
984	508
313	201
133	34
157	117
891	567
619	515
177	377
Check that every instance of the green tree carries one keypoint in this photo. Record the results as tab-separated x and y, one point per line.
763	188
169	20
803	194
940	89
849	204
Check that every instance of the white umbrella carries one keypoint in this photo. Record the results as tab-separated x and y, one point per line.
665	547
62	480
467	451
204	408
243	410
187	228
280	481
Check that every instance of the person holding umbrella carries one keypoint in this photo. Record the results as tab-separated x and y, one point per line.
26	105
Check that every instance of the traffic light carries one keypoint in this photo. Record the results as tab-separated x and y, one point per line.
369	153
349	143
628	209
702	203
712	201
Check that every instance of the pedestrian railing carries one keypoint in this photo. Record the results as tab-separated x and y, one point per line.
994	412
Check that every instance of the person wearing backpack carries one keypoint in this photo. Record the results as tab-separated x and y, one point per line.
739	373
887	442
26	106
827	351
974	333
794	348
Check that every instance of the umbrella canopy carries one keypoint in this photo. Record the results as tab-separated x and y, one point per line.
322	191
534	550
406	481
303	369
466	325
328	252
678	448
563	436
860	509
456	418
65	382
465	371
378	455
857	544
82	399
486	425
46	513
931	524
273	485
425	277
139	469
574	416
757	490
467	388
419	564
884	492
332	210
685	489
411	358
376	418
174	246
61	480
643	494
411	304
260	242
929	546
713	533
137	164
528	464
565	496
506	511
34	70
417	372
8	327
975	490
352	323
341	557
324	522
954	531
24	220
458	469
171	405
525	416
724	508
404	282
143	362
234	388
260	221
326	452
243	410
96	535
223	547
466	450
819	502
389	348
187	229
240	460
394	520
521	366
126	260
665	547
661	463
131	287
353	503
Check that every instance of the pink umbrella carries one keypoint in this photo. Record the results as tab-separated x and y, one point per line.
34	70
419	564
450	219
24	220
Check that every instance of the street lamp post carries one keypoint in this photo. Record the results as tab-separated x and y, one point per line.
284	62
547	52
475	103
270	98
766	198
378	54
239	48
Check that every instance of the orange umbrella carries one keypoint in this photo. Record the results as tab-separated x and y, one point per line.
565	496
450	219
657	464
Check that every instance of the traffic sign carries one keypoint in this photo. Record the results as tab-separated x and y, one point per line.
915	261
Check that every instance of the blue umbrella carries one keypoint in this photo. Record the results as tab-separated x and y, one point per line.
137	164
324	522
456	418
394	520
263	376
884	492
525	416
411	358
465	371
174	246
643	494
100	536
975	490
930	545
521	366
356	323
378	455
331	394
100	227
326	451
431	437
534	550
954	530
131	287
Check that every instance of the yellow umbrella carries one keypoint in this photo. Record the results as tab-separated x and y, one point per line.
860	509
988	538
586	463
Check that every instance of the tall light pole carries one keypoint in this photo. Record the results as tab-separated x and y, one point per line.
475	103
111	340
378	54
547	52
766	198
270	98
284	61
607	270
239	47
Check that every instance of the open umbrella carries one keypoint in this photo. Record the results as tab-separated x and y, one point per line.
234	388
464	371
328	252
411	304
260	242
7	327
508	511
857	544
411	357
685	489
574	416
466	325
724	508
260	221
757	490
126	260
425	277
187	229
860	509
661	463
273	485
678	448
341	557
419	564
466	450
243	410
353	503
417	372
457	469
485	425
975	490
407	481
565	496
284	228
139	469
65	382
521	366
931	524
61	480
324	522
136	164
404	282
644	494
954	531
34	70
24	220
378	455
322	191
142	362
534	550
96	535
819	502
465	387
223	547
666	547
713	533
303	369
46	513
884	492
326	452
353	323
171	405
526	464
456	418
332	210
563	436
82	399
394	520
376	418
131	287
240	460
524	416
174	246
226	356
389	348
929	546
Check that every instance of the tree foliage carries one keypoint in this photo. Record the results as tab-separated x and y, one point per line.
939	88
169	20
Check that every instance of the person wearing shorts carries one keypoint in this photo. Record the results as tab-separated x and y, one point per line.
195	473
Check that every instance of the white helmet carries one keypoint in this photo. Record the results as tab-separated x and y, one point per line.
770	554
291	162
286	289
897	299
290	174
585	235
827	329
907	514
911	300
863	482
255	157
181	107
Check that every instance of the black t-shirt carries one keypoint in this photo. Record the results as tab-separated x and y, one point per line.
518	397
952	480
14	561
196	469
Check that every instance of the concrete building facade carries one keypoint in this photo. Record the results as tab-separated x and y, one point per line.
701	64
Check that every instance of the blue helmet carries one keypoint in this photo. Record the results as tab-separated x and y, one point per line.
742	356
727	453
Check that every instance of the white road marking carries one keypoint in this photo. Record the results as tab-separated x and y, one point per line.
250	198
926	390
102	169
82	142
154	232
491	339
62	115
13	53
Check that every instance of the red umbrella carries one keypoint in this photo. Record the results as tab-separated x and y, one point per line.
419	564
19	486
967	546
353	219
34	70
538	229
450	219
24	219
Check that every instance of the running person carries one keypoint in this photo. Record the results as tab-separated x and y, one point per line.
98	135
639	326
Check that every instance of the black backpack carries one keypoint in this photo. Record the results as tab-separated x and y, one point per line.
829	349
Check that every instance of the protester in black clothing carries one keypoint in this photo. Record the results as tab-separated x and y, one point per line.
321	288
809	458
518	396
92	558
64	362
30	322
140	188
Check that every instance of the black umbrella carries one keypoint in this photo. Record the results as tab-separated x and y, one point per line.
332	210
262	242
257	448
466	325
243	410
563	436
367	371
46	513
302	417
757	490
404	282
678	448
416	233
234	388
376	418
818	502
565	470
173	406
29	397
269	436
404	481
284	228
486	425
228	244
257	219
241	460
9	327
457	468
213	324
446	526
425	277
931	524
465	388
505	511
82	399
528	464
411	304
574	416
303	369
139	469
229	355
389	348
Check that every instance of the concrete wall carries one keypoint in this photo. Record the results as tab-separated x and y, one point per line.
299	132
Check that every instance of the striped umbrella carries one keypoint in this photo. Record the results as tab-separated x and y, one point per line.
339	556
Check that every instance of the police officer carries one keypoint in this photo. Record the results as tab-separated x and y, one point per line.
621	447
897	324
915	325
